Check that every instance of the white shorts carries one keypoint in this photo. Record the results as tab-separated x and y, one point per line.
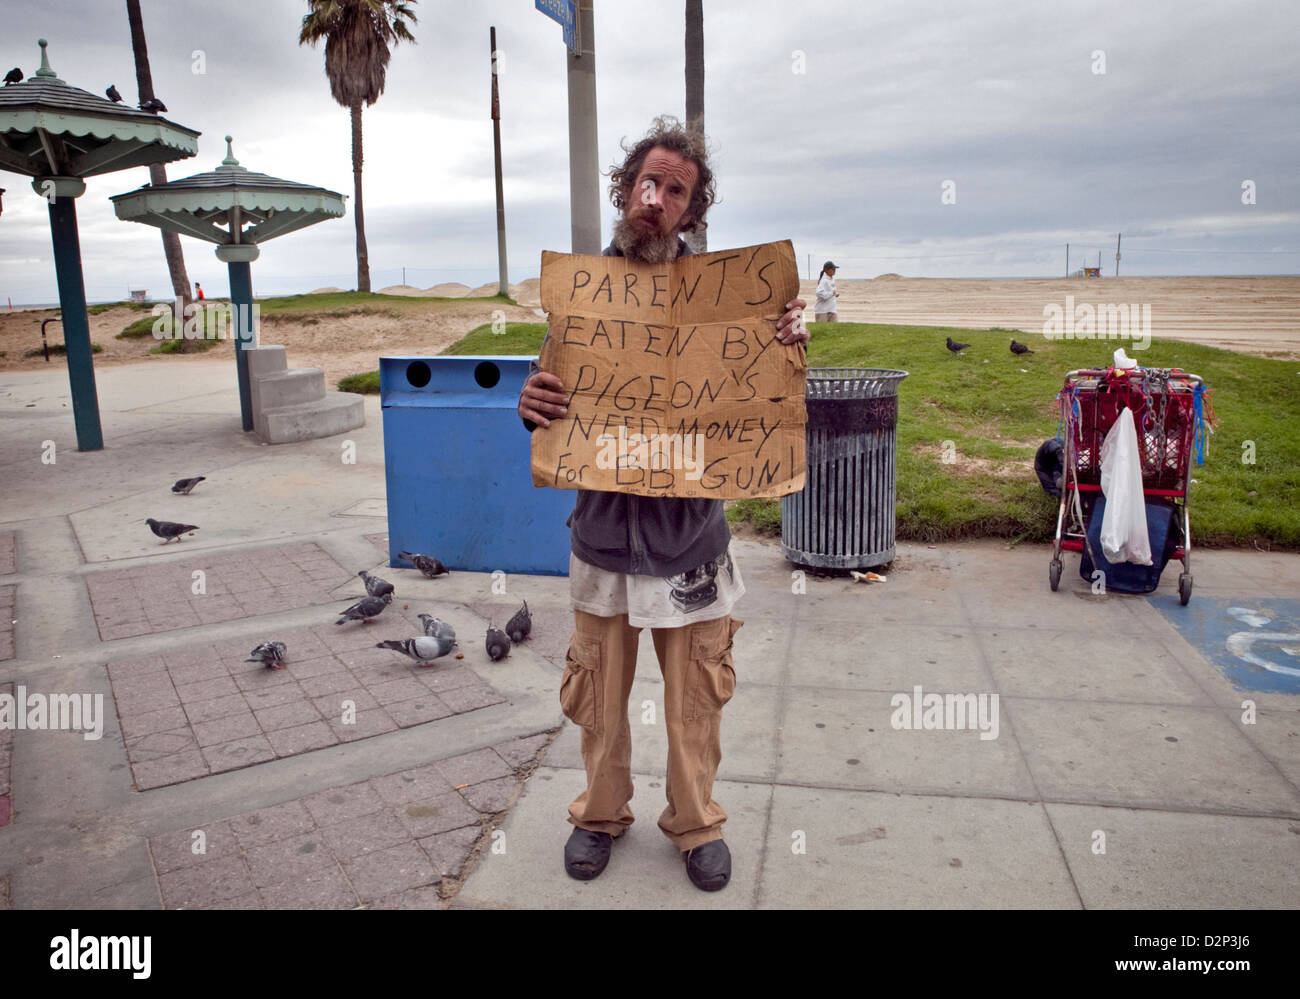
702	594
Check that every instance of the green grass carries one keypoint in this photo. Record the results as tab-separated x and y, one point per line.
56	348
345	303
996	415
140	328
366	383
178	346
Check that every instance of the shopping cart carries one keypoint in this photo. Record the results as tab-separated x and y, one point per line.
1169	412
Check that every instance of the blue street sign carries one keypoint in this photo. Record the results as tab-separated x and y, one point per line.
565	13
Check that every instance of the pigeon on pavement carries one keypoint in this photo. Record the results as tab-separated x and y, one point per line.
168	530
1019	348
375	586
364	610
15	75
436	628
423	649
519	626
955	347
183	486
269	654
431	567
498	643
112	94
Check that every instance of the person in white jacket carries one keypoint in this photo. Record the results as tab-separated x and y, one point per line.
824	309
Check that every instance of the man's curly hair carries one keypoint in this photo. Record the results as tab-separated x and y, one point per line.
671	134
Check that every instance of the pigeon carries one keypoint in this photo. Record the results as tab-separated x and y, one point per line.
431	567
153	105
112	94
955	347
520	625
269	654
167	530
15	75
364	610
1019	348
498	643
183	486
437	629
424	649
375	586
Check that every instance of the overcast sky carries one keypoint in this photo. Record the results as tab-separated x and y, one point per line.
834	125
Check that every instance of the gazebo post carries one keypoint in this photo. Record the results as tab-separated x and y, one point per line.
72	300
237	257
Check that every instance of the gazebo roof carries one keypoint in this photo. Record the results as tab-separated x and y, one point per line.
230	195
51	129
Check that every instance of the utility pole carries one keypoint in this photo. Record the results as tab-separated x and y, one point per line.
1067	259
1118	237
584	164
504	287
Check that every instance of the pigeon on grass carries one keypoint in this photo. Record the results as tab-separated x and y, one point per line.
435	628
497	643
431	567
424	649
183	486
1019	348
364	610
956	347
269	654
168	530
375	586
519	626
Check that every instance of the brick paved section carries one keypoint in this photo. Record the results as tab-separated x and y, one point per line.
387	842
151	599
203	710
8	552
8	597
6	761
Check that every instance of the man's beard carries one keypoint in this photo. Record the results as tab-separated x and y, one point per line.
649	246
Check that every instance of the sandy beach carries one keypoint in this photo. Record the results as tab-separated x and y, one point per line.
1255	315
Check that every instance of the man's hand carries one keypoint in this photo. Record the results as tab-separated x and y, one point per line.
543	396
790	328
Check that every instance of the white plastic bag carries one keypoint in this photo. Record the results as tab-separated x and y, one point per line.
1124	526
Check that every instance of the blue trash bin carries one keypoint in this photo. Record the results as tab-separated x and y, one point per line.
456	464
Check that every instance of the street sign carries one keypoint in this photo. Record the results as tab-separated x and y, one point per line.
565	13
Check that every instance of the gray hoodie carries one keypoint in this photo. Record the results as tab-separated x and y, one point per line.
645	535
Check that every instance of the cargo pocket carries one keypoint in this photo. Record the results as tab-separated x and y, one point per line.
580	687
712	678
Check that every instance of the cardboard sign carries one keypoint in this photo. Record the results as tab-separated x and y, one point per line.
677	383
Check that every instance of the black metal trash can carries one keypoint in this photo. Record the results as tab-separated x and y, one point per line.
844	517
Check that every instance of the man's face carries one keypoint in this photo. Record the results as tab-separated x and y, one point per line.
656	208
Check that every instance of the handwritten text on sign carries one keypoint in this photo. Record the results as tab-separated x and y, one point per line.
676	381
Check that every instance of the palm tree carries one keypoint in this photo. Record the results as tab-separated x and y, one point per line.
357	34
698	242
157	172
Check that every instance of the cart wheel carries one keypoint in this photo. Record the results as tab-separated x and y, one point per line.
1054	574
1184	588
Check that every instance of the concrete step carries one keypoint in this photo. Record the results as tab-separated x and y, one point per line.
288	388
265	361
335	413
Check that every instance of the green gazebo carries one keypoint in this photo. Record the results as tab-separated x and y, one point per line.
59	135
253	208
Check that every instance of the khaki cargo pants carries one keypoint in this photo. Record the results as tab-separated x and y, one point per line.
698	680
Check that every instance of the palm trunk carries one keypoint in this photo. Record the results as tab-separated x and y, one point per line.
698	242
157	172
358	212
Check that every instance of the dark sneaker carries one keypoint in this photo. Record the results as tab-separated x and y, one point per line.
586	853
709	865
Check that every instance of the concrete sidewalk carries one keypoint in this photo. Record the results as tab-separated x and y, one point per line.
1146	754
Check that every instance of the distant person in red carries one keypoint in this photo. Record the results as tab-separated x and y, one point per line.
198	290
